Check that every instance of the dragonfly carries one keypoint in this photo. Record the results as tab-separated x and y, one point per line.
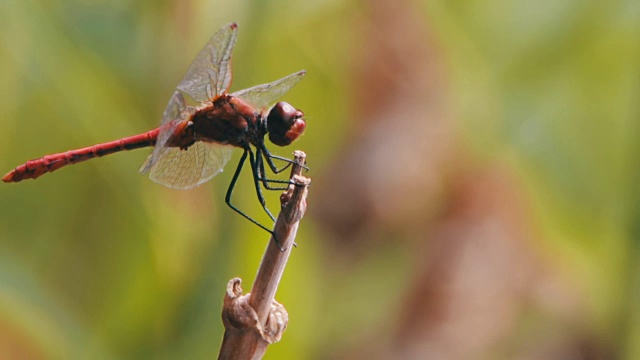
194	143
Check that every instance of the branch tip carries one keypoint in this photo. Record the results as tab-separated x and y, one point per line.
255	320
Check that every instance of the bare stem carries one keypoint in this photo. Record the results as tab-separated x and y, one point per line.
255	320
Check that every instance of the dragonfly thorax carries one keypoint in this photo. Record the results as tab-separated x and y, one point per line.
227	120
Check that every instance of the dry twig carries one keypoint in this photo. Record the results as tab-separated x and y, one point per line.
255	320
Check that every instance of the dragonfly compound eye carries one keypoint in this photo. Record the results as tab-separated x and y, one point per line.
285	124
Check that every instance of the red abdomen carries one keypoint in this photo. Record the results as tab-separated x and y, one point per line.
35	168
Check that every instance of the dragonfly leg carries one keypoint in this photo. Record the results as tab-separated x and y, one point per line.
227	198
269	157
256	181
263	175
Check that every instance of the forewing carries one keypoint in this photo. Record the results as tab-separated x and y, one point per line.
262	96
210	72
185	169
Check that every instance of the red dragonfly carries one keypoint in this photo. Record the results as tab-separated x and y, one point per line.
193	143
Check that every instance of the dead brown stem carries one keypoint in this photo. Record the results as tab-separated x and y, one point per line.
255	320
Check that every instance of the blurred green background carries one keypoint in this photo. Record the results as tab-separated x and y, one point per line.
474	164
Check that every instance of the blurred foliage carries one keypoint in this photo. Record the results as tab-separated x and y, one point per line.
97	261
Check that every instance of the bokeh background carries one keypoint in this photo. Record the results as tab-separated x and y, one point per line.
474	164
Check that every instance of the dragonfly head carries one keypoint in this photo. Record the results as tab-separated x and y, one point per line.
285	124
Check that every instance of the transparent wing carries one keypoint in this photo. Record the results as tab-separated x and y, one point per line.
175	112
158	149
210	72
262	96
185	169
175	106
